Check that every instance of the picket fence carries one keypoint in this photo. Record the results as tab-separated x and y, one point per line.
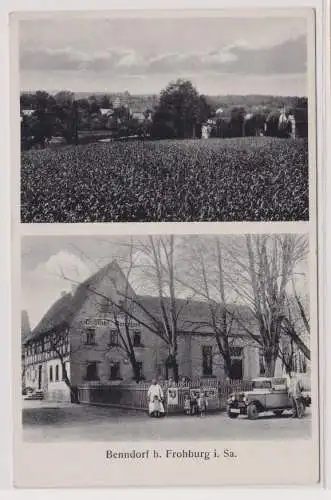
134	396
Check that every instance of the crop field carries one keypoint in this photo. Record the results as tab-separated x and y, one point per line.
241	179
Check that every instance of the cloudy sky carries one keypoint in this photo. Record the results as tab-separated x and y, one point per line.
220	55
45	260
52	265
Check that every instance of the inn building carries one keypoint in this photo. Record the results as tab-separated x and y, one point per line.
80	340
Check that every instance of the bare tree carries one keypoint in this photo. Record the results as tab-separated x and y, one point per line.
292	342
295	323
158	265
264	269
207	280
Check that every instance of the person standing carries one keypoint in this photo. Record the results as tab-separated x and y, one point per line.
187	404
295	393
155	399
170	382
202	403
194	402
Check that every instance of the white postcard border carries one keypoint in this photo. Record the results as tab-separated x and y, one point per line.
201	228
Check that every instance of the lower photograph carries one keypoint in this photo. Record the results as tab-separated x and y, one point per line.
184	350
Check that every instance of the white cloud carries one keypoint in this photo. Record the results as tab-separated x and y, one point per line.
219	57
43	285
130	59
62	264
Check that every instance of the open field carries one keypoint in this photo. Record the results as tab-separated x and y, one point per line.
241	179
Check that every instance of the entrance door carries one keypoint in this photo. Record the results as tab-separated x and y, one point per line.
39	376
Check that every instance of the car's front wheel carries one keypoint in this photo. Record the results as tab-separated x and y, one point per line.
233	415
252	411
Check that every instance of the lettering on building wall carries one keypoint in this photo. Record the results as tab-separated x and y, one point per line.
101	322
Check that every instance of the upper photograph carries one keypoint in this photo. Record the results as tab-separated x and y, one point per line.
166	117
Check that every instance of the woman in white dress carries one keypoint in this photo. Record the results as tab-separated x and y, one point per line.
155	400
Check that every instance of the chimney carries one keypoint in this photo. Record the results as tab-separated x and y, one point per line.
25	325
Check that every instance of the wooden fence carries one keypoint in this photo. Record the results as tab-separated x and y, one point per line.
134	396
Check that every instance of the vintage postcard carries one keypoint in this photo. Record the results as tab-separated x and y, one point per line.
165	297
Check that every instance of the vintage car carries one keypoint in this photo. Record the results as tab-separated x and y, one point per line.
267	394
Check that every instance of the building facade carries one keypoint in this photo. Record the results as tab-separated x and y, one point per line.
86	338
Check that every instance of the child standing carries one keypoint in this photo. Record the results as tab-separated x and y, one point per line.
187	405
157	406
202	403
194	403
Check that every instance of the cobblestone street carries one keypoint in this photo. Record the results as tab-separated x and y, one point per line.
60	422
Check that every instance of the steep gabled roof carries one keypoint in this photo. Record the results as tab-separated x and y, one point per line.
63	310
58	314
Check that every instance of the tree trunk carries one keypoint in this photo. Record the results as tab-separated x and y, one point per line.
228	366
73	391
290	331
223	349
171	364
270	364
135	369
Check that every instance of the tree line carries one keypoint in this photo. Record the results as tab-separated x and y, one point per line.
180	113
44	116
